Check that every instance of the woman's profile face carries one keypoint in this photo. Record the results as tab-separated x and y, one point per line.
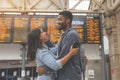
44	36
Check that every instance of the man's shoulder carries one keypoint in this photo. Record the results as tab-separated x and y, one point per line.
72	31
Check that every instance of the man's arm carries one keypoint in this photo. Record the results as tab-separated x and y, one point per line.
68	40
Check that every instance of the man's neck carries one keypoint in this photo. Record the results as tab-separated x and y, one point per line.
69	26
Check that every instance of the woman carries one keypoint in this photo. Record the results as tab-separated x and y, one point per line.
38	51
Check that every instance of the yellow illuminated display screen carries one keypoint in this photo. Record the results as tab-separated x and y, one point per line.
37	23
20	30
93	30
78	23
80	31
5	30
16	28
54	33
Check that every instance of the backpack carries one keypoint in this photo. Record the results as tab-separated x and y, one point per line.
83	59
83	62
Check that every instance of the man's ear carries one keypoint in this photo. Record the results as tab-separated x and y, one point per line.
67	21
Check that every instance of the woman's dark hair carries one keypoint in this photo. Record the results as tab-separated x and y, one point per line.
67	14
33	43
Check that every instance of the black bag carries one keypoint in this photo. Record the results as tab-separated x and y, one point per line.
83	62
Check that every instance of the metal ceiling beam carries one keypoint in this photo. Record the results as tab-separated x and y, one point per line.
13	4
23	5
57	4
57	11
48	6
34	4
67	4
76	4
46	11
24	9
98	4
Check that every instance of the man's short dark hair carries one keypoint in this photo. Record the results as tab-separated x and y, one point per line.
67	14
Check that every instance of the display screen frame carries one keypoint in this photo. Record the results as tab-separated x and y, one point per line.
10	29
80	19
27	26
97	35
79	22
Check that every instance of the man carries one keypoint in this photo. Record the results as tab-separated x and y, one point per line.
71	70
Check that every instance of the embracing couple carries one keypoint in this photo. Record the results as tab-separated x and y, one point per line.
56	62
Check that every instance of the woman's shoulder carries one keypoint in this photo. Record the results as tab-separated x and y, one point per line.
42	50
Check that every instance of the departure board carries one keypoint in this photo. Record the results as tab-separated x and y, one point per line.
93	30
15	29
5	29
80	28
37	23
20	30
80	31
52	30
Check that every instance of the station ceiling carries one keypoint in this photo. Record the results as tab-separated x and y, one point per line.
42	6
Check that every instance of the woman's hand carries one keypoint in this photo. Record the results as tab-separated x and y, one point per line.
40	70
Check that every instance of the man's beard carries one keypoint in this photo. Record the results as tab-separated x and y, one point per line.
62	26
